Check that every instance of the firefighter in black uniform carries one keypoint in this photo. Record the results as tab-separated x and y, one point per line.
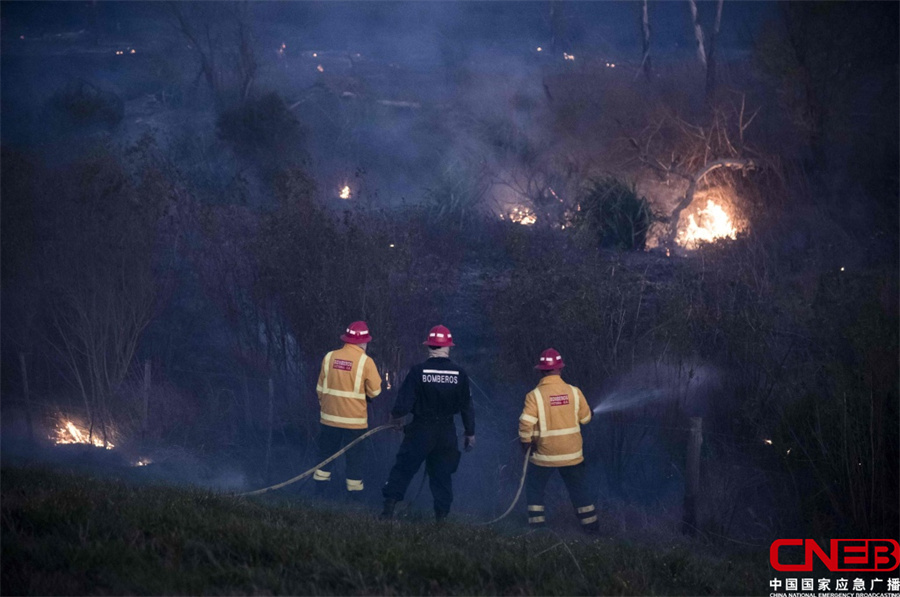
433	392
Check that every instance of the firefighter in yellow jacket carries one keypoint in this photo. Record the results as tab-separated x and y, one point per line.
348	380
551	424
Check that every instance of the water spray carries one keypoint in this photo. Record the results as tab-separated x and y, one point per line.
623	400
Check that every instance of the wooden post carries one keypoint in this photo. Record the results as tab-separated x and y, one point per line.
692	479
271	424
145	418
26	394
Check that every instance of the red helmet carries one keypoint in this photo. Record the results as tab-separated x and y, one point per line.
550	360
357	333
439	336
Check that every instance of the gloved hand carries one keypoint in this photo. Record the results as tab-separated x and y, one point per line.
525	446
396	422
469	443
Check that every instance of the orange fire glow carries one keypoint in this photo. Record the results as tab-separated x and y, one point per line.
710	223
345	192
69	432
522	215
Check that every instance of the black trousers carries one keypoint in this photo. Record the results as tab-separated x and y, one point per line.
332	439
435	444
576	483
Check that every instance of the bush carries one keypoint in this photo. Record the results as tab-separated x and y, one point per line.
614	214
262	127
80	103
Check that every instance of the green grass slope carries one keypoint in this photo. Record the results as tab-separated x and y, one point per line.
68	534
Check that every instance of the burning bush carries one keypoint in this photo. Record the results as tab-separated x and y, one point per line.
614	214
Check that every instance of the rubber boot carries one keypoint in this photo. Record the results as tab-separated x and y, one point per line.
592	528
321	489
388	512
355	497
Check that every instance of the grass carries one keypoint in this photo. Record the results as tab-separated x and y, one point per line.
70	534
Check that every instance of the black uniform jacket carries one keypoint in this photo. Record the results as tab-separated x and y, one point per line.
436	389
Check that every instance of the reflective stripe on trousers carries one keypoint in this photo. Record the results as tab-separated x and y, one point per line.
332	439
575	480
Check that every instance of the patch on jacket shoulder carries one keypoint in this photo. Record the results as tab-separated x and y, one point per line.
342	365
559	400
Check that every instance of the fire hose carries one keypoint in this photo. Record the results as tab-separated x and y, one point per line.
305	474
518	492
340	452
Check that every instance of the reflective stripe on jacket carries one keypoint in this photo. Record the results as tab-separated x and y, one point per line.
552	418
347	376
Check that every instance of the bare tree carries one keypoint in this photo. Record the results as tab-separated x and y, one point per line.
673	147
698	32
99	269
645	44
706	44
97	320
220	35
711	53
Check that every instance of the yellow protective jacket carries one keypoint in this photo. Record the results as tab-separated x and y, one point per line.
347	376
552	418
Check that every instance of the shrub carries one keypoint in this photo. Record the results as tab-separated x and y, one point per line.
262	126
80	103
614	214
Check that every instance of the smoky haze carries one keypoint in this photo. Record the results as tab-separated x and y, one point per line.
238	181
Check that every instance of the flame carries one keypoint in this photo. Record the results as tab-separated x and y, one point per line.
567	56
132	51
540	49
143	461
555	196
709	224
119	52
68	432
522	215
345	192
320	69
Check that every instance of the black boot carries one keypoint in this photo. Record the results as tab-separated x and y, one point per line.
321	489
591	528
440	516
388	512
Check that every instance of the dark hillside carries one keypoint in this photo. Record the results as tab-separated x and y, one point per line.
72	535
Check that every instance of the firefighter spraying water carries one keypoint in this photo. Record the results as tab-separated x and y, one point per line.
550	429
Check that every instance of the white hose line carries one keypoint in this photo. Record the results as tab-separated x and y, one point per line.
340	452
518	493
318	466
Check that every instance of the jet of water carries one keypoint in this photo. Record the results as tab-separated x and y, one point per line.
625	399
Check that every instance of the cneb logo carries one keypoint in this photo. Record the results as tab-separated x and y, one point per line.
844	555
